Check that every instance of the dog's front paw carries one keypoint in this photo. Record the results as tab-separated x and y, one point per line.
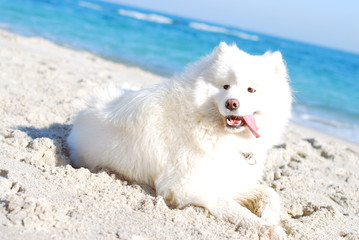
273	232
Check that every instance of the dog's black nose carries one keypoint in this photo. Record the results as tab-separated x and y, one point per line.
232	104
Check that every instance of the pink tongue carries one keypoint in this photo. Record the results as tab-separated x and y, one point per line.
251	123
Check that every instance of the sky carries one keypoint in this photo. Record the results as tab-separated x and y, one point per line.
330	23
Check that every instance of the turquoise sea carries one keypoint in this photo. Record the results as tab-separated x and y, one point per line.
325	81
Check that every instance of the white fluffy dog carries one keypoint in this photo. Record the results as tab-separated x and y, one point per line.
200	138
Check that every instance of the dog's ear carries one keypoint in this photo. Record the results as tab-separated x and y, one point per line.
221	49
277	59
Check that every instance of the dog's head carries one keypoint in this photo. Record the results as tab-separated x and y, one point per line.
246	91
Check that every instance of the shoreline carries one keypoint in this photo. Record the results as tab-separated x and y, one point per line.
43	86
130	65
314	133
165	75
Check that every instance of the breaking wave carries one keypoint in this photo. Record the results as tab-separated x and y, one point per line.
333	123
344	127
211	28
89	5
144	16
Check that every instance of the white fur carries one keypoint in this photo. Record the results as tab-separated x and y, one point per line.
173	136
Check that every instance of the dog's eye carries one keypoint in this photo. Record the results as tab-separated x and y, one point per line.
226	87
251	90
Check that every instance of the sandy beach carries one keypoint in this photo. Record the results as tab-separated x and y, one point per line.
43	86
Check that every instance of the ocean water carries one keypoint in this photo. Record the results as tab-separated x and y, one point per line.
325	81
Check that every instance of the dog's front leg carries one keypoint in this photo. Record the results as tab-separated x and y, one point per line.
186	193
265	203
262	201
253	226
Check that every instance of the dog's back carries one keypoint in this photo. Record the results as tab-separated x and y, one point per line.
121	130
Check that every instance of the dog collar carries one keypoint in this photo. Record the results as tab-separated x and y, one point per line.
249	158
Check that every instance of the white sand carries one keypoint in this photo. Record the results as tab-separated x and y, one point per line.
42	86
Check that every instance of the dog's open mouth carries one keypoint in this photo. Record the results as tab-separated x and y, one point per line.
241	121
235	121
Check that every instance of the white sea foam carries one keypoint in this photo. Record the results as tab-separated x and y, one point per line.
328	122
147	17
89	5
332	127
245	36
4	26
211	28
